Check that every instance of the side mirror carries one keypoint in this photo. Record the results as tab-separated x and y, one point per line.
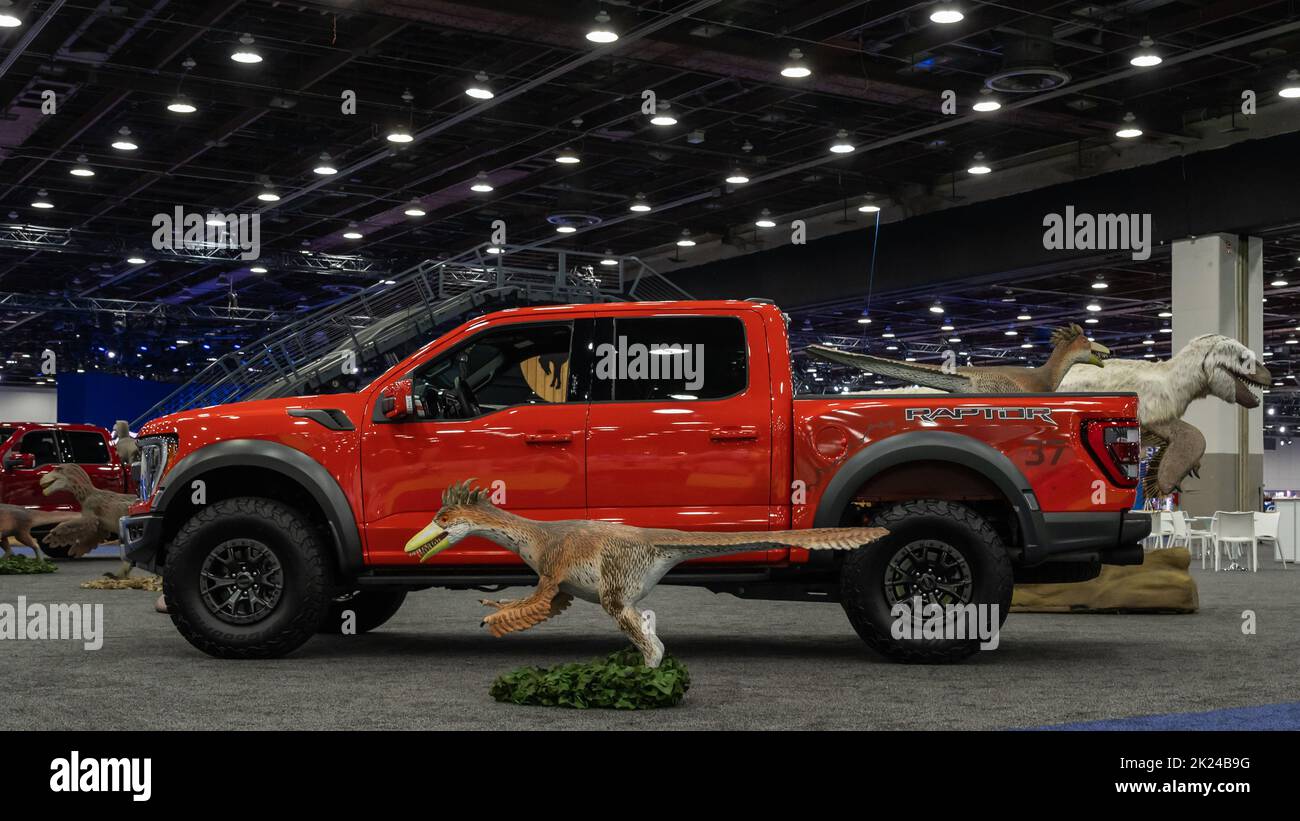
396	401
14	460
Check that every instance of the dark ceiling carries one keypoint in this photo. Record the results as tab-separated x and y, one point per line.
878	71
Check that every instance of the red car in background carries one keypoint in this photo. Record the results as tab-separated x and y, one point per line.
28	450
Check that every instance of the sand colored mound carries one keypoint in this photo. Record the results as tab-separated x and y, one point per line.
1161	584
151	583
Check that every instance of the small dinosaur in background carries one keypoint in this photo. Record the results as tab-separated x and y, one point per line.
98	520
1070	346
18	522
127	450
614	565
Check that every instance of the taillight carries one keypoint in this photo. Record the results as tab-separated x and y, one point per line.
1116	445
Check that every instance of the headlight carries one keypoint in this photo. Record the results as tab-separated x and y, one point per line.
156	454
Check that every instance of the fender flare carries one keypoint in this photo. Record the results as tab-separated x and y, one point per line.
294	466
937	446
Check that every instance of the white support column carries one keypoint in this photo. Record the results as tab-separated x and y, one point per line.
1218	287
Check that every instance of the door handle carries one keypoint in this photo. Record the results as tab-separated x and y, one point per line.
548	437
734	434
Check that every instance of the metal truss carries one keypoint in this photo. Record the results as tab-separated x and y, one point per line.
130	307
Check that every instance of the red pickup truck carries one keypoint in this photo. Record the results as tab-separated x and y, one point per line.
270	518
29	449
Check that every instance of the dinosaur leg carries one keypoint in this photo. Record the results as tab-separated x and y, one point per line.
513	616
4	542
25	536
1179	457
637	626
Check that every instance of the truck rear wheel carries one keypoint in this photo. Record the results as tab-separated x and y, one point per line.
371	609
938	553
246	578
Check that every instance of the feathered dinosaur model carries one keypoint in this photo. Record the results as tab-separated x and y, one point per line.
18	522
1070	346
1209	365
614	565
98	520
124	443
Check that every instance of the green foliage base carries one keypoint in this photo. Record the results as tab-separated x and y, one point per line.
620	681
20	565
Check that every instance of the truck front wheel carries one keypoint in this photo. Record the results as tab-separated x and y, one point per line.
941	555
247	578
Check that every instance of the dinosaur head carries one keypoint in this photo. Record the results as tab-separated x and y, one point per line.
465	510
1232	371
1076	346
121	429
66	478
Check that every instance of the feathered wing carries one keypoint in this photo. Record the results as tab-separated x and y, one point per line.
711	543
931	376
545	602
80	536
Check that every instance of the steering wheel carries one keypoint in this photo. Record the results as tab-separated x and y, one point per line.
464	392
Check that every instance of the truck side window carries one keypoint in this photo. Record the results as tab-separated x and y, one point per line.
84	447
674	358
502	368
42	445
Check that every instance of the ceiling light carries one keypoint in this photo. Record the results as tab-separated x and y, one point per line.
400	135
888	334
936	308
841	144
42	200
946	14
257	269
686	241
1094	307
1148	341
609	260
1279	283
494	250
1026	344
601	32
954	339
796	67
213	218
1165	314
1100	284
268	195
1292	88
182	105
325	165
414	208
124	141
765	219
1010	333
1146	55
1148	356
565	229
869	206
947	326
663	115
136	260
81	169
244	52
1092	320
1023	317
1166	330
568	157
737	177
1129	129
866	320
353	232
481	183
978	164
986	102
639	204
479	88
9	18
891	347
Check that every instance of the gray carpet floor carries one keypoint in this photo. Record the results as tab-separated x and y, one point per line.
754	665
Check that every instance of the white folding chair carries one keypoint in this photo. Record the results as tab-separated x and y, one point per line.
1233	530
1184	533
1162	528
1266	530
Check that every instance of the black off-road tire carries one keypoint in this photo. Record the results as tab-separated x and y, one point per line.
950	526
372	608
293	544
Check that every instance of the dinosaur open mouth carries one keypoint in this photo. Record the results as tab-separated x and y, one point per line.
1248	386
425	544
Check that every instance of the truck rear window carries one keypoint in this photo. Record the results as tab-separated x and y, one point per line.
5	433
685	358
84	447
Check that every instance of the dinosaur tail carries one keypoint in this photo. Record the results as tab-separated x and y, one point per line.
714	544
40	518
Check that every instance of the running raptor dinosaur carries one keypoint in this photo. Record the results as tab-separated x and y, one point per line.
1070	346
18	522
614	565
98	520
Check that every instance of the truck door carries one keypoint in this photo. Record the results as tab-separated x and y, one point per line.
90	450
23	478
522	437
680	430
